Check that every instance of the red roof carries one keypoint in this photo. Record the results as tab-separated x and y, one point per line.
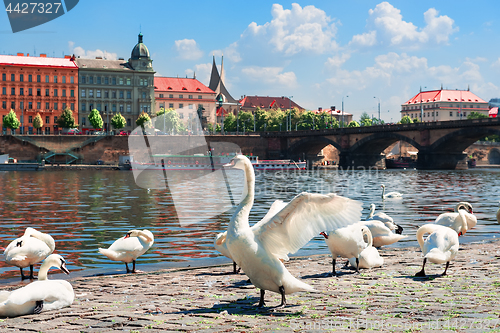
185	85
444	96
493	112
218	112
266	101
36	61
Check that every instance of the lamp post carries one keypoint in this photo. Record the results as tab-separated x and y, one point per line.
219	102
343	110
379	120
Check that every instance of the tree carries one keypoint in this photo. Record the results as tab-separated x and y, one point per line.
143	119
169	119
11	121
261	119
95	119
66	120
245	119
353	123
476	115
118	121
416	120
365	120
38	122
229	122
405	120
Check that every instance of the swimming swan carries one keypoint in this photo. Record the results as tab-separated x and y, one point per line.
454	221
347	242
390	195
258	250
128	248
381	234
220	239
32	247
369	257
41	295
383	217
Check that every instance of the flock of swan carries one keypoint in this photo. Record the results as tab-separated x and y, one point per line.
44	294
259	250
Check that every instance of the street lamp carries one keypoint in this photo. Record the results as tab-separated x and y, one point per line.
220	100
289	116
343	110
379	120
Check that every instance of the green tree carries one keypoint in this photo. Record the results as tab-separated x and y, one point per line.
245	119
38	122
143	120
261	119
118	121
11	121
230	122
95	119
169	119
476	115
353	123
405	120
365	120
66	120
416	120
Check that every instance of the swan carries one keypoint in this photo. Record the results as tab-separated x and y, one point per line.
258	250
381	234
41	295
369	257
220	239
441	245
454	221
383	217
128	248
390	195
27	250
347	242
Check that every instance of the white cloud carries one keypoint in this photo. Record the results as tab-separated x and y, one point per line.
92	54
388	28
292	31
202	72
188	49
270	75
232	53
338	60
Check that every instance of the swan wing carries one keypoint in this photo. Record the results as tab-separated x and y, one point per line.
303	218
273	210
48	290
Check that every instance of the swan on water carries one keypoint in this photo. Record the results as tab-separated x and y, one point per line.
347	242
369	257
390	195
381	234
383	217
220	240
32	247
129	247
454	220
439	247
41	295
258	250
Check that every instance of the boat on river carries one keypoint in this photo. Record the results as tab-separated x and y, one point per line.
210	162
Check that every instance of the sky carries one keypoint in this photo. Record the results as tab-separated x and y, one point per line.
319	52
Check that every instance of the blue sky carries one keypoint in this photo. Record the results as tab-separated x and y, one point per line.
315	51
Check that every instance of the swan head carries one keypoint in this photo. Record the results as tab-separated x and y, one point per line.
239	162
55	260
383	186
324	234
464	205
220	238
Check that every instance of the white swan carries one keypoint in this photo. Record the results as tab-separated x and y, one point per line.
441	245
128	248
390	195
381	234
369	257
258	250
454	221
220	240
32	247
41	295
347	242
383	217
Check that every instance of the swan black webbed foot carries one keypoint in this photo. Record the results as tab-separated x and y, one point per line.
38	307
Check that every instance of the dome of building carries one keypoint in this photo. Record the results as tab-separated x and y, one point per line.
140	50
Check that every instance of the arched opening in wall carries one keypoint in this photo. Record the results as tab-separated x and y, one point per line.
400	154
494	156
328	156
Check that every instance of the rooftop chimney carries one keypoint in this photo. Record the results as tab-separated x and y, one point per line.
43	55
67	57
98	57
19	54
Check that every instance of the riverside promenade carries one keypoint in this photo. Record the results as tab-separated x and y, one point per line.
210	299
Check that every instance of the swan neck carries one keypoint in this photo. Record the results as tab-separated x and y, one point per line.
239	219
426	228
47	239
372	211
383	191
368	234
145	236
463	217
43	271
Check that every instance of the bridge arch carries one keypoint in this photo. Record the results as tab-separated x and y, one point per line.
378	142
457	141
310	146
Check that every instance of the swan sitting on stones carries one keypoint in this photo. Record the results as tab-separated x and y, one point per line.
454	220
381	234
383	217
41	295
390	195
369	257
128	248
347	242
32	247
258	250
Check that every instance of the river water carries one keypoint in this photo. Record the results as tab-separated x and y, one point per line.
87	209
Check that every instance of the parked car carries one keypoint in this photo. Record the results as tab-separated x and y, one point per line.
72	131
99	133
123	133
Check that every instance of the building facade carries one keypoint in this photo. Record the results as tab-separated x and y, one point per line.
38	85
443	105
250	103
185	96
116	86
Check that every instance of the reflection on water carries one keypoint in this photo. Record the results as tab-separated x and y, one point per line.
87	209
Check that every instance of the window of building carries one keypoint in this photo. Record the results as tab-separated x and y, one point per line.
190	96
106	80
98	93
181	116
91	107
71	79
91	93
121	108
46	79
106	107
433	113
129	122
98	107
161	95
83	121
64	93
181	105
98	80
55	106
143	95
113	107
200	97
4	105
39	92
21	105
39	105
12	91
12	77
91	79
84	106
121	94
30	91
21	91
424	114
38	78
64	79
106	94
129	108
170	96
13	105
55	92
451	113
171	105
47	92
64	106
4	91
47	106
55	78
437	113
4	77
128	81
120	81
21	77
113	94
47	119
55	119
191	106
30	119
181	96
30	106
465	114
162	105
129	94
72	93
113	80
458	113
84	79
72	106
